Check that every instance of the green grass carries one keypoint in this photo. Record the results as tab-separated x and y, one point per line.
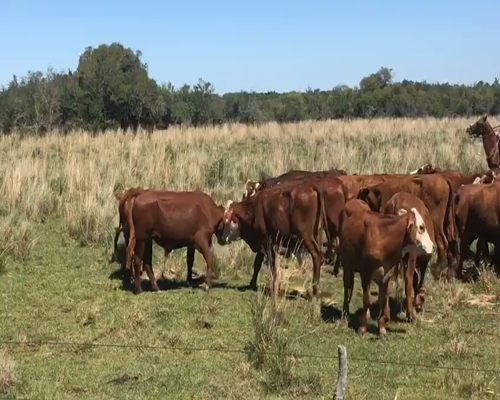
63	292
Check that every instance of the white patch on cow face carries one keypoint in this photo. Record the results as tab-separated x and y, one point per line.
231	230
423	240
476	181
415	172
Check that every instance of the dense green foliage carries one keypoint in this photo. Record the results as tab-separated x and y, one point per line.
111	88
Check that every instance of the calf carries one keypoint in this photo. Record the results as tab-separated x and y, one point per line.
399	204
173	220
372	244
292	215
437	194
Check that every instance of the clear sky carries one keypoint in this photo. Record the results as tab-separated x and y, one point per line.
261	45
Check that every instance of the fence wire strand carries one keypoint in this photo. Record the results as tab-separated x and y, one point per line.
242	351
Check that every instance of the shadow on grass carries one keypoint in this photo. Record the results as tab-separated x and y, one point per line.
332	314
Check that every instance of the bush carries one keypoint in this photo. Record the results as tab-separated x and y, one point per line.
270	350
19	240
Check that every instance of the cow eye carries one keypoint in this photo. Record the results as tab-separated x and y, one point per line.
421	228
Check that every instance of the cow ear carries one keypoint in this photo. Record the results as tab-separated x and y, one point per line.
411	221
484	118
418	180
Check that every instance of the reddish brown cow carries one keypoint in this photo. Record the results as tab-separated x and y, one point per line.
372	244
437	194
251	187
173	220
287	215
477	209
399	204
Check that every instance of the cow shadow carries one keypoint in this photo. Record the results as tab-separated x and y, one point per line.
372	323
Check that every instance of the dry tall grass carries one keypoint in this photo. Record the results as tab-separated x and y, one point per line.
74	177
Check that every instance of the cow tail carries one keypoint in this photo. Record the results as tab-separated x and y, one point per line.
322	218
452	229
131	241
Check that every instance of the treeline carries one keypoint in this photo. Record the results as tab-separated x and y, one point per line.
111	89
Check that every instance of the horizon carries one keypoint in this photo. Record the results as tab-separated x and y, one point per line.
263	48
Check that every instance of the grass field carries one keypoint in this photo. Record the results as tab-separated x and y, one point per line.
57	214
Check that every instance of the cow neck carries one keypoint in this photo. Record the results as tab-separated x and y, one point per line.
490	144
393	235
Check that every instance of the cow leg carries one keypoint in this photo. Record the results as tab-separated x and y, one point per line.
148	264
205	247
257	264
190	263
419	282
348	278
365	283
463	248
452	255
384	313
315	251
410	271
138	257
482	251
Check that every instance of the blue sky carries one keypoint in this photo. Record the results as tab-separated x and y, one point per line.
261	45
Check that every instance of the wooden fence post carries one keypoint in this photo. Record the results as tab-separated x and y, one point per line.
342	375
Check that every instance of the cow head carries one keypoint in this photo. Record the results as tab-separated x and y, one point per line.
371	196
478	128
251	188
231	225
419	238
425	169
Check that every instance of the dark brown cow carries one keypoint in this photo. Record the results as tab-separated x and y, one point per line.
251	187
372	244
173	220
437	194
287	215
399	204
477	209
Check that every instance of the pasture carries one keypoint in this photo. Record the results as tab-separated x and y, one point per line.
57	219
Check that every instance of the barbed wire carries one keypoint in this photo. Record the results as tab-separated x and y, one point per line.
243	351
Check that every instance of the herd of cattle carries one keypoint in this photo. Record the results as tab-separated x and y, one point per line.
375	225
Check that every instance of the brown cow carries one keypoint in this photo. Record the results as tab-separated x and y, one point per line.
437	194
251	187
290	215
399	204
372	244
173	220
477	209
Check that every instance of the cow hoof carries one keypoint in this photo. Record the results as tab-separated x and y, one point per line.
205	287
383	336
